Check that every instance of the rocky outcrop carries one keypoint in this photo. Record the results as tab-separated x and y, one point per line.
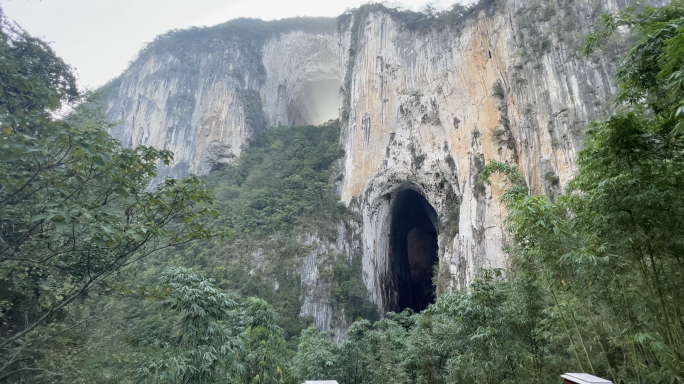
423	110
302	82
317	301
204	105
428	111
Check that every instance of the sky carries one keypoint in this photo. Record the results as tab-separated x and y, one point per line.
100	37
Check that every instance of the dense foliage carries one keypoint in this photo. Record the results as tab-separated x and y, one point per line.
73	206
609	250
595	284
278	194
281	180
490	334
139	327
151	323
217	338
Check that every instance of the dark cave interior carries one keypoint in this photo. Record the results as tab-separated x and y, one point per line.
412	252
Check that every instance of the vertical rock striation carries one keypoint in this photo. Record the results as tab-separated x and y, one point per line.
428	110
317	301
423	111
205	104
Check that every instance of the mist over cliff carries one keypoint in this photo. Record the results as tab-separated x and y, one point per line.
424	103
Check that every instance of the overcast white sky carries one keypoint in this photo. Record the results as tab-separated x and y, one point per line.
100	37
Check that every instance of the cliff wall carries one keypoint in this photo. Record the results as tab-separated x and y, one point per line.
205	103
428	111
423	110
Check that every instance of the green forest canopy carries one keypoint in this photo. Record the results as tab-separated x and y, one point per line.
596	284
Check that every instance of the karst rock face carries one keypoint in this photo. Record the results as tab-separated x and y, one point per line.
421	110
205	104
428	113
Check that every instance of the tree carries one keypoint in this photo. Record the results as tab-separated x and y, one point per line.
651	74
265	352
75	206
208	337
216	337
316	355
609	251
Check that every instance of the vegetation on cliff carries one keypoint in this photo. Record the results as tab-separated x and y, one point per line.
595	287
253	32
85	298
596	279
274	198
246	33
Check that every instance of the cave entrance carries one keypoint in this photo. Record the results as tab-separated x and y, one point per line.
412	252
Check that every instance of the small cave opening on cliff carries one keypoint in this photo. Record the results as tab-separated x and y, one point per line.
412	252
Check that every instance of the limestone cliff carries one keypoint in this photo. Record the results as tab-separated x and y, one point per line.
426	112
422	110
204	102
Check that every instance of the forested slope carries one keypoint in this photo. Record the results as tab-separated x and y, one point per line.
280	204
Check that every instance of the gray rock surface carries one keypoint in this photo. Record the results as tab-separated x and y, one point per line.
426	111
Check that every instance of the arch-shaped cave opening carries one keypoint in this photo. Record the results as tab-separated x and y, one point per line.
412	252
